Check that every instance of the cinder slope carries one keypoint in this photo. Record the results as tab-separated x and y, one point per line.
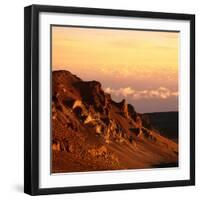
92	132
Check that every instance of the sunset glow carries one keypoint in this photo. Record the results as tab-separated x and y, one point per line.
140	66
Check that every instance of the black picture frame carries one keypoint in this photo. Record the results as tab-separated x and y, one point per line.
31	98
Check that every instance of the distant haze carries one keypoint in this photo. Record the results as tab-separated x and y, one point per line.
140	66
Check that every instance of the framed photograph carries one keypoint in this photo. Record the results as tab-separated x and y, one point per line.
109	99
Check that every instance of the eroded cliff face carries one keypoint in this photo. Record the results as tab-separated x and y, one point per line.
92	132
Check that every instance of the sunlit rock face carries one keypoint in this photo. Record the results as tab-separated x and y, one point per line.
92	132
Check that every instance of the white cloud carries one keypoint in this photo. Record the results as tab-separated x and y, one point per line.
159	93
121	91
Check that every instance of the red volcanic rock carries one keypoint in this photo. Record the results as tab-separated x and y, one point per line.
90	131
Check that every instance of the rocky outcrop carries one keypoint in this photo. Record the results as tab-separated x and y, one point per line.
131	112
124	108
93	132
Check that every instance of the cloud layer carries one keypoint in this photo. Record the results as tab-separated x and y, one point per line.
159	93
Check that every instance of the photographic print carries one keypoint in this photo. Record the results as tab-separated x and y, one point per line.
109	99
114	99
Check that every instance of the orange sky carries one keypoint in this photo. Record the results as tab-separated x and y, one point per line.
136	65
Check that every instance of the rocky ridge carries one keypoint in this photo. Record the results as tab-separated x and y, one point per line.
90	131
